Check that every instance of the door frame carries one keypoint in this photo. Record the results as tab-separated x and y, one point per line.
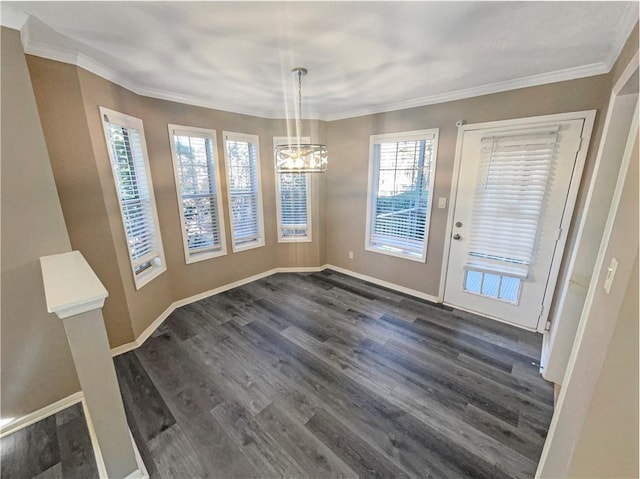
618	125
589	118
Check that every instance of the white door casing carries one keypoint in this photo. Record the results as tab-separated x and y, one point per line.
620	122
526	307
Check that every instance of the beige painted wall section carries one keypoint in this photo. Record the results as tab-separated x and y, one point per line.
347	176
629	50
37	367
60	104
84	178
194	278
608	445
146	304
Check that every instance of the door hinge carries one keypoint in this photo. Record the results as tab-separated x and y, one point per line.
559	234
547	325
579	146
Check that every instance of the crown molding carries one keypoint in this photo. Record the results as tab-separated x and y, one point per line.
524	82
207	103
49	51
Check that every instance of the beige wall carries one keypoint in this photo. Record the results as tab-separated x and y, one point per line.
150	301
347	174
608	445
60	103
69	98
629	50
37	367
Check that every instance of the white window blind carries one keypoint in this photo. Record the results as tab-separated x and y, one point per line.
243	182
193	153
293	202
294	223
515	170
125	141
401	182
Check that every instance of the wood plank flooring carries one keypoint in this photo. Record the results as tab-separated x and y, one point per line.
315	375
56	447
323	375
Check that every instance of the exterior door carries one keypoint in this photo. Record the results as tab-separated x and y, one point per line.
512	191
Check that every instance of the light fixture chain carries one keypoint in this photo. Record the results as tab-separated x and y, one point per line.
300	100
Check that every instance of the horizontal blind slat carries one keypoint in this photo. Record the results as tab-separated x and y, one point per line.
509	198
129	169
243	190
195	155
401	194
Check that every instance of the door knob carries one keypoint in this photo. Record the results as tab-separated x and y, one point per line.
456	236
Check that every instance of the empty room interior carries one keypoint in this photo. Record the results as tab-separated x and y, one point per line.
319	239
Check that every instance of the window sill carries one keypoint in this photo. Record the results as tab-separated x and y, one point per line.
299	239
147	276
398	253
248	246
204	255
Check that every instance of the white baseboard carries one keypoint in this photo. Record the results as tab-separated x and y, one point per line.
40	414
226	287
386	284
77	397
125	348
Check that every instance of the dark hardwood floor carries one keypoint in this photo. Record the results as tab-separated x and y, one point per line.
56	447
322	375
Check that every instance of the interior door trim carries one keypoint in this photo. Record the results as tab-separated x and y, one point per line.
589	118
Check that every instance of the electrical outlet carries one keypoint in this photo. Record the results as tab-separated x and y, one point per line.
350	254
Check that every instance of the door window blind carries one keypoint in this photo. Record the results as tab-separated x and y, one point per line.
244	193
194	162
132	181
292	190
515	171
402	182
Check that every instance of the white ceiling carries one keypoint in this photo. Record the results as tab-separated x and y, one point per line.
363	57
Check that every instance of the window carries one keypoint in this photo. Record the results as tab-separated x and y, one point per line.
401	173
293	200
130	164
198	185
243	184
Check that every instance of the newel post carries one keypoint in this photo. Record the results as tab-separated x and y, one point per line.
76	295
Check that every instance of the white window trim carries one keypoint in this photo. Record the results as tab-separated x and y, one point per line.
278	140
430	134
189	256
159	265
251	139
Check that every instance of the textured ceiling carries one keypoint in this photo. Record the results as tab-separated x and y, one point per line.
362	56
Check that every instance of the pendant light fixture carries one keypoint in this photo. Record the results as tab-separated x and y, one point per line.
300	157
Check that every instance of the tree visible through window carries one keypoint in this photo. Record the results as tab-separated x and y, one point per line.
400	193
127	152
243	183
196	182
